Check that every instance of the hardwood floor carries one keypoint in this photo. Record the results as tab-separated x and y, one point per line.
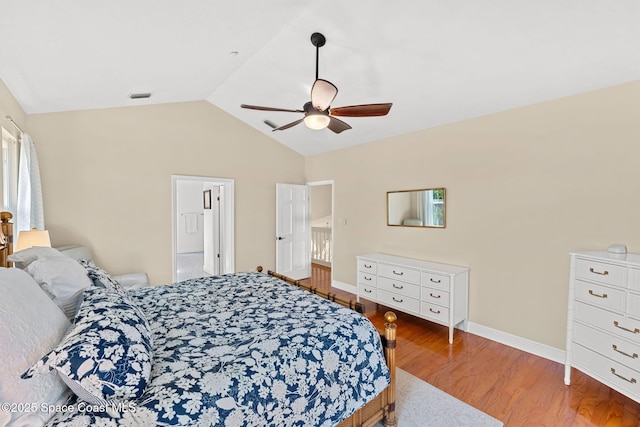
516	387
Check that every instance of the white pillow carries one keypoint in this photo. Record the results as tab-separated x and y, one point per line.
31	325
23	258
64	279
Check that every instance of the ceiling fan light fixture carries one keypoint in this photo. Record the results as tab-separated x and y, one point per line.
316	121
318	113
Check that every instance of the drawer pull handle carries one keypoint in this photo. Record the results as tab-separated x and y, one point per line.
633	331
434	311
398	274
367	290
434	296
632	380
367	278
397	300
368	266
604	273
633	356
396	286
435	281
598	295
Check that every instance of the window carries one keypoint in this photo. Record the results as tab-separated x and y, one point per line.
9	174
434	207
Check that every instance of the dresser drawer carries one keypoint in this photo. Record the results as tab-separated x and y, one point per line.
600	295
399	287
405	274
608	345
614	373
367	266
608	321
435	296
601	272
404	303
436	281
367	279
441	314
634	279
368	292
633	305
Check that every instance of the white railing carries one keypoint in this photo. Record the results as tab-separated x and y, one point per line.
321	245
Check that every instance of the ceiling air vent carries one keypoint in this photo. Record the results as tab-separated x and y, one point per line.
140	95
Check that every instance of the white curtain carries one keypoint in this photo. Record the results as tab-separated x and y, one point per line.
30	210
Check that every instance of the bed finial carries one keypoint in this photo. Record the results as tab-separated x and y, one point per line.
259	269
6	238
390	317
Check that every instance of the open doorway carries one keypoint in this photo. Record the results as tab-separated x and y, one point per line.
321	231
203	230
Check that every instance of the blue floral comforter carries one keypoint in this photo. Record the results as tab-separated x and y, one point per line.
247	350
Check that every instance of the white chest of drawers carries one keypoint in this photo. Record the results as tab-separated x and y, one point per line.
430	290
603	325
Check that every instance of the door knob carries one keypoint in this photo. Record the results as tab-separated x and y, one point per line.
279	238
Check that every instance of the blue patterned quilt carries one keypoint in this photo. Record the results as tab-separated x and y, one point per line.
247	350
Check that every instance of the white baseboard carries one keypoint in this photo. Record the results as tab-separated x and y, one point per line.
344	287
520	343
524	344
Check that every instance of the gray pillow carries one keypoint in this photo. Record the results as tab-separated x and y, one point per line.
23	258
63	279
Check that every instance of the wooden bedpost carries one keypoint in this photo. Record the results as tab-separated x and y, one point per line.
390	354
6	245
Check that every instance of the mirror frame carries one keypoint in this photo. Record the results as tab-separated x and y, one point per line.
444	208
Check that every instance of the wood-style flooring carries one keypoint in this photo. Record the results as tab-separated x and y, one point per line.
516	387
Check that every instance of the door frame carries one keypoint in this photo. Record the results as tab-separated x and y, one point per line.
333	218
227	221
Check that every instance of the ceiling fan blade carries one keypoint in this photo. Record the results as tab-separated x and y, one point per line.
257	107
337	125
323	93
365	110
290	125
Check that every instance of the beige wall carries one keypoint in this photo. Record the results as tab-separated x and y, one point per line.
106	178
320	201
524	188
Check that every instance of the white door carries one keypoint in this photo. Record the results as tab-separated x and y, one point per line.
211	207
293	231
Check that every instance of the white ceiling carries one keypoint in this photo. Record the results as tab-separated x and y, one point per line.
437	61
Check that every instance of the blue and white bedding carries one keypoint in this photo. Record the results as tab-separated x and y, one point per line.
245	350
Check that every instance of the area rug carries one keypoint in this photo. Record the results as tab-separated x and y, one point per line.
419	404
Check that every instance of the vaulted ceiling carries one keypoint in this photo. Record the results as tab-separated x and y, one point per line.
437	61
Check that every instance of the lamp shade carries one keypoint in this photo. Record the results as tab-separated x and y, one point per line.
317	121
31	238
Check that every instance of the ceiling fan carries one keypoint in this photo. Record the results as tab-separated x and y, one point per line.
318	113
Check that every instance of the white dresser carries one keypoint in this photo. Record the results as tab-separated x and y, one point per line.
430	290
603	326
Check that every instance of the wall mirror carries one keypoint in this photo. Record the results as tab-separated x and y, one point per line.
416	208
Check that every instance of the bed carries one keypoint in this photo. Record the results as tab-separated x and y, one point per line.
248	349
